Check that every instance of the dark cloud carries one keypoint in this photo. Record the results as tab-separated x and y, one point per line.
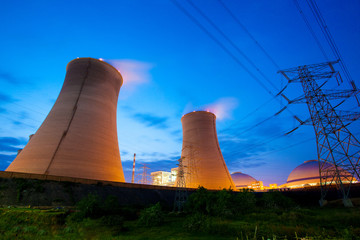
235	148
10	144
5	98
5	161
249	162
3	110
8	78
123	152
152	120
126	108
176	133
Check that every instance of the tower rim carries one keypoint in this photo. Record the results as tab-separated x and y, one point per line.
96	60
200	111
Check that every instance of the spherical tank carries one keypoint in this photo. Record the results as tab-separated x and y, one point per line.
203	162
307	174
242	180
79	136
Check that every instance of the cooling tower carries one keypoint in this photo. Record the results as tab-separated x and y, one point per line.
203	162
79	137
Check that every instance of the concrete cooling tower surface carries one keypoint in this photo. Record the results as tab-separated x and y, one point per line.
79	136
201	154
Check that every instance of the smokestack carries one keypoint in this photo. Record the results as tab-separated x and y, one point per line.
203	162
79	137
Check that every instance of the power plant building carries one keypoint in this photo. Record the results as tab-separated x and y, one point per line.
161	178
78	138
202	159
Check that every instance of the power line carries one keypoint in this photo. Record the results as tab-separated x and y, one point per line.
320	20
225	49
231	42
249	34
310	29
222	46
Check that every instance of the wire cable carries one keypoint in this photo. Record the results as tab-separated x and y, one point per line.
248	33
311	29
231	43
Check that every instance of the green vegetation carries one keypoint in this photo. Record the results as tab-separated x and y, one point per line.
209	215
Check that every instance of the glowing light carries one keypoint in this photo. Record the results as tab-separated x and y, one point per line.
101	59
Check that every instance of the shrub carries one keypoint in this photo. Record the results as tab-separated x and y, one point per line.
111	205
244	202
199	201
197	222
151	216
88	207
276	200
222	203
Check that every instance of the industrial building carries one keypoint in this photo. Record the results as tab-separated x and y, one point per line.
78	138
202	159
307	174
163	178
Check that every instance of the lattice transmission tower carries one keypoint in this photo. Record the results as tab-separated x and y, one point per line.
338	149
191	160
181	192
144	176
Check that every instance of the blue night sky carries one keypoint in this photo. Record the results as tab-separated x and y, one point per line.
171	66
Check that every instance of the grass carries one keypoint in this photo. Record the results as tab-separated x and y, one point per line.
299	223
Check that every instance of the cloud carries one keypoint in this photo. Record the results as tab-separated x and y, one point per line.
3	110
5	98
222	108
5	160
151	120
249	162
10	144
134	72
8	78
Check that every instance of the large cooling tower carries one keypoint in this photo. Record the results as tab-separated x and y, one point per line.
79	138
203	162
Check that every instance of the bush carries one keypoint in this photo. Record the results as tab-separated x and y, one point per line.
276	200
151	216
243	202
199	201
197	222
224	203
88	207
111	205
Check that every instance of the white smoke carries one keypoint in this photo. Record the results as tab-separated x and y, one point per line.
134	72
223	108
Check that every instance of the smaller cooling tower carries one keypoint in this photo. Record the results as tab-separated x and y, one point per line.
78	138
203	162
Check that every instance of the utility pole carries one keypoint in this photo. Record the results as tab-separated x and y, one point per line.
133	170
338	149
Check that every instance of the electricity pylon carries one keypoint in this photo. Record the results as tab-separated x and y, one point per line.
181	192
144	176
338	149
189	154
